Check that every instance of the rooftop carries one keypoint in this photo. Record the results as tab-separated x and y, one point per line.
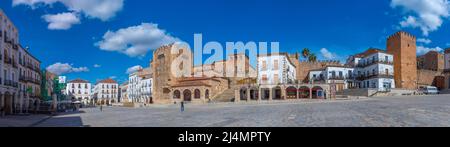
79	81
108	81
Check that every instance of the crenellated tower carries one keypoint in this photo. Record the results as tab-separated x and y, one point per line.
403	46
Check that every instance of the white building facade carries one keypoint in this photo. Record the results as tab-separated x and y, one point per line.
106	92
80	90
276	69
374	69
20	75
140	86
342	77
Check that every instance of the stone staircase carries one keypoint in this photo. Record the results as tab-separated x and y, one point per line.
225	96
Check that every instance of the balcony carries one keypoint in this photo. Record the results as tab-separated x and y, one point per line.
15	46
22	79
373	76
11	83
337	78
362	65
14	64
7	60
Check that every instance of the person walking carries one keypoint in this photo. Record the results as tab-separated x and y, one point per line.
182	106
101	108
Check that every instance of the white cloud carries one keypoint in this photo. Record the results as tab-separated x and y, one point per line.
65	68
424	40
134	69
61	21
113	77
135	41
428	15
97	65
423	50
99	9
327	54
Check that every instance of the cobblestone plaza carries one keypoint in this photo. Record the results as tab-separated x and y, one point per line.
410	111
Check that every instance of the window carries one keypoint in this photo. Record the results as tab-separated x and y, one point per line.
276	78
197	94
264	78
176	94
386	58
387	71
264	65
275	65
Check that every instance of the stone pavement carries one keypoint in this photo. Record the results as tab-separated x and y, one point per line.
410	111
22	121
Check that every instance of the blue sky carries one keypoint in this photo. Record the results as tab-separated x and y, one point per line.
342	27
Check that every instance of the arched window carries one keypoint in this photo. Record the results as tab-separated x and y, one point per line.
207	94
176	94
197	94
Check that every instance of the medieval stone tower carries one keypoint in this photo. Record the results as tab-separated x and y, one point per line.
403	46
162	59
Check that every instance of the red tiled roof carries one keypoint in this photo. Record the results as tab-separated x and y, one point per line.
79	81
108	81
370	51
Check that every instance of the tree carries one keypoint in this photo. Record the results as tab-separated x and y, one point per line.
312	57
306	52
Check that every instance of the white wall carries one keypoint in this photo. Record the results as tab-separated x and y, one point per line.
285	69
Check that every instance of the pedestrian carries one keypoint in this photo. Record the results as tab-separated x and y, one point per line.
182	106
101	108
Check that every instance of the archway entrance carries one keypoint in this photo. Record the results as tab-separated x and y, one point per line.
265	93
277	93
187	95
207	94
303	92
176	94
8	104
291	92
243	94
318	93
253	94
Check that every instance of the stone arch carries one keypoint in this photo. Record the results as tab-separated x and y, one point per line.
277	93
304	92
243	93
8	103
254	93
187	95
176	94
318	92
207	94
265	93
197	94
291	92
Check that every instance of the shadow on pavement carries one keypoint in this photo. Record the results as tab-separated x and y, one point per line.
61	121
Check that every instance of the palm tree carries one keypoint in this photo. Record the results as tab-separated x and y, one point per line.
312	57
306	53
